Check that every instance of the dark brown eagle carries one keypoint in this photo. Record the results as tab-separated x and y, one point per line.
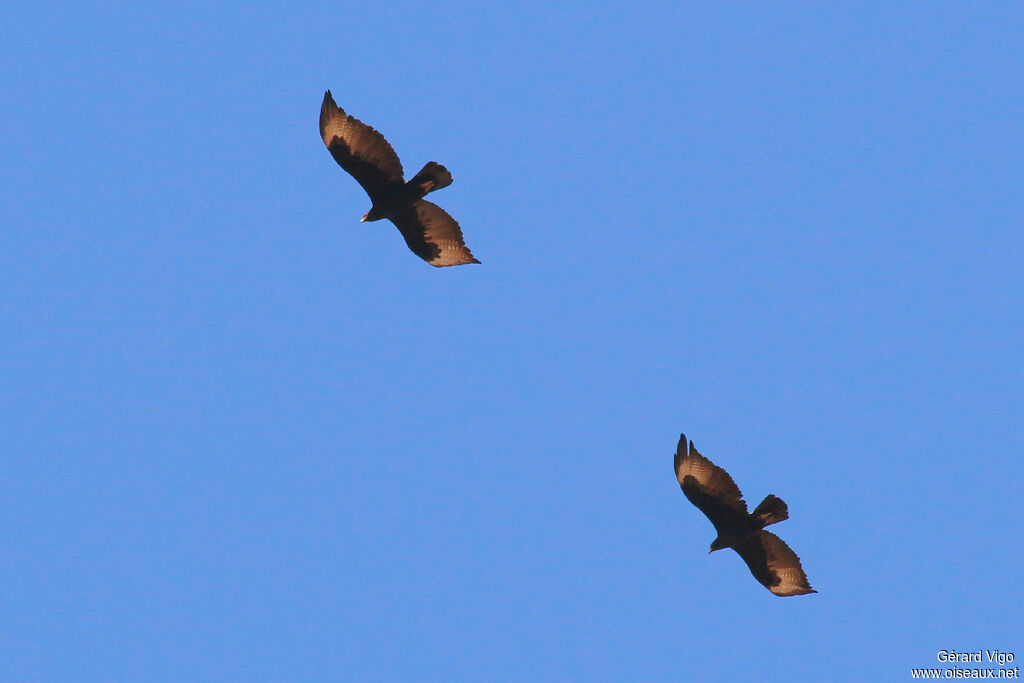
713	491
429	231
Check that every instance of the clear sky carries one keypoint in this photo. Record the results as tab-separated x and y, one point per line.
245	437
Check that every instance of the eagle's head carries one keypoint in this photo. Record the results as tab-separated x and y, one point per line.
375	213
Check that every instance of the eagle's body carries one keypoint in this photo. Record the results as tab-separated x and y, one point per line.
428	230
713	492
398	198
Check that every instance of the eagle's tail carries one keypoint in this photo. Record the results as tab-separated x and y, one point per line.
771	510
434	176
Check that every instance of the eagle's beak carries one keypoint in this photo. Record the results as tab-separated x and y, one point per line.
363	219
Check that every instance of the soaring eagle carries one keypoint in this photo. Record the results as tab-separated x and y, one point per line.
429	231
713	491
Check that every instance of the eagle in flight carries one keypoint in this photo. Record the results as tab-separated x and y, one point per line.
429	231
713	491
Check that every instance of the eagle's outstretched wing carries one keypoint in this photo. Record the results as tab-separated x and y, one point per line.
774	564
433	235
360	150
710	488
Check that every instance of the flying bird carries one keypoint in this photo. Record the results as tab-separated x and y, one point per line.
713	491
429	231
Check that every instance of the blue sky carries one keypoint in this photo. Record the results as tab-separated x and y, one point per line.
245	437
